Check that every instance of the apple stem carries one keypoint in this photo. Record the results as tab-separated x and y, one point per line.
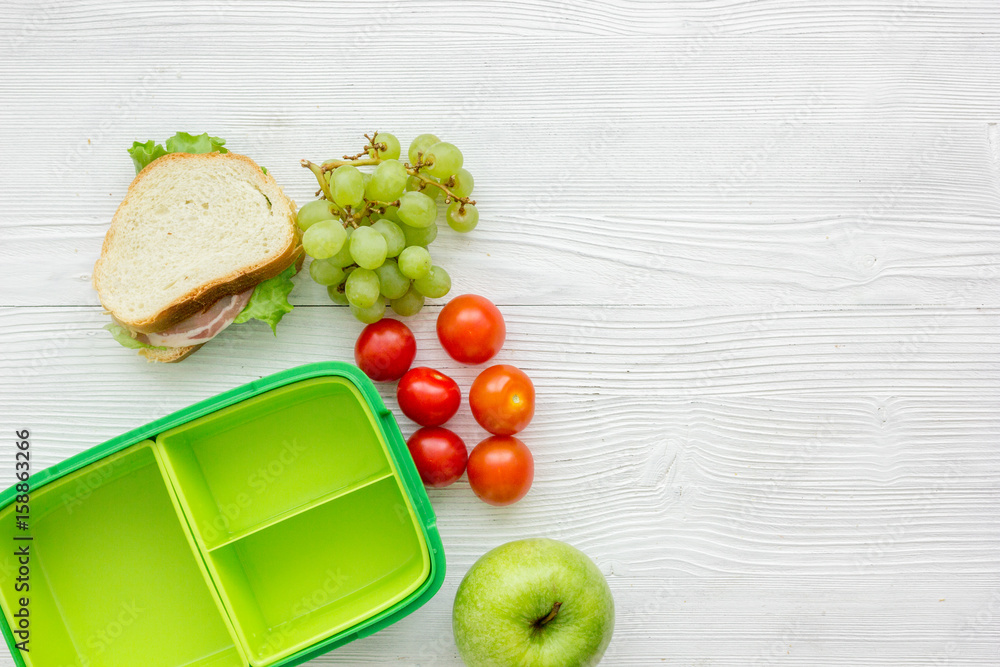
542	622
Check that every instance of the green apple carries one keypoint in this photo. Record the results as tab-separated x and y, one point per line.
533	603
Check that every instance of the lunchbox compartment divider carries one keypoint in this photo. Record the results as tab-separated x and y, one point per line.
288	514
232	468
222	554
196	547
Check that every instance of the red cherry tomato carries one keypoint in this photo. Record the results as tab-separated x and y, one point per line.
471	329
501	469
385	350
427	396
440	455
502	399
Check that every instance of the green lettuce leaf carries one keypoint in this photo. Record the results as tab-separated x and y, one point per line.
143	154
269	301
124	337
182	142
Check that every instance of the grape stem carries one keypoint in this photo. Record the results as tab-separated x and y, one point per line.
370	146
448	195
324	184
330	165
354	217
358	160
370	205
376	204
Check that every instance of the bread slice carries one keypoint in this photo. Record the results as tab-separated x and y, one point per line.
191	230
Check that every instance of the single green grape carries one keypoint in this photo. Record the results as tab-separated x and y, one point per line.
324	239
435	284
462	218
362	288
415	262
462	183
444	159
395	240
347	185
371	314
388	182
368	247
325	273
391	150
343	256
417	209
420	145
408	304
337	295
420	235
392	283
313	212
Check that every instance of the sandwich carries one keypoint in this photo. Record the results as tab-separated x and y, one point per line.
204	239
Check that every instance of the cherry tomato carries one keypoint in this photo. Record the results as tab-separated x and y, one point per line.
385	350
502	399
440	455
471	329
501	469
427	396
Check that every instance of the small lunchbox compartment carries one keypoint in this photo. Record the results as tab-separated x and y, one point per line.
251	464
114	576
321	571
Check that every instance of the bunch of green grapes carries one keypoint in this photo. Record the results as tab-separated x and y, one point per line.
369	232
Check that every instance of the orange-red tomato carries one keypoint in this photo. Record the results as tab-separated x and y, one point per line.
502	399
471	329
501	470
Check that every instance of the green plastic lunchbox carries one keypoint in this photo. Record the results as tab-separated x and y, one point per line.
264	526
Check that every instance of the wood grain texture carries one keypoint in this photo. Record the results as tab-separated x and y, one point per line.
837	79
860	213
748	251
816	478
849	169
697	19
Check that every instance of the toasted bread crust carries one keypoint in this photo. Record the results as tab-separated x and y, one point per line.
170	356
174	354
202	297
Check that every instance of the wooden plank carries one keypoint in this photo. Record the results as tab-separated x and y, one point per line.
357	24
896	371
146	83
726	621
860	213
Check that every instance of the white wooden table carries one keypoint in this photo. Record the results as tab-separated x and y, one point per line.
747	250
